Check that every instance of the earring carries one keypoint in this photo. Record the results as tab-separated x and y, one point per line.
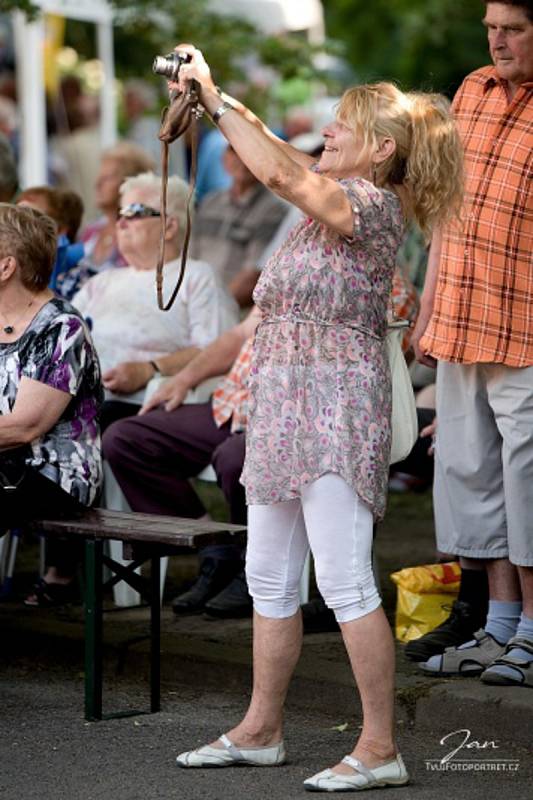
374	175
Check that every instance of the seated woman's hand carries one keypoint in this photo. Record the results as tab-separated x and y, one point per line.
170	395
128	377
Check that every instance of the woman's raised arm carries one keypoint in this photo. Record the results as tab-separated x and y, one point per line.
279	166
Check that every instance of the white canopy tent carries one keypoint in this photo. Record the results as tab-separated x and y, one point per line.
276	16
29	40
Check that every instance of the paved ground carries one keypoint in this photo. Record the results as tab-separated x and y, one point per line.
48	751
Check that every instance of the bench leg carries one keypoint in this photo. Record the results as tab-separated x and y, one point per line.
155	636
93	629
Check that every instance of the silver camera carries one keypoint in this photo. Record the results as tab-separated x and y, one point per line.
170	65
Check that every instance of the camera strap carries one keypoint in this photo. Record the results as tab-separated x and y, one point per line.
180	116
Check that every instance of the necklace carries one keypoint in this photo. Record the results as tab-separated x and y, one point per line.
10	327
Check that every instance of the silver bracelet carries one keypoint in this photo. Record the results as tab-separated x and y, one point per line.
221	110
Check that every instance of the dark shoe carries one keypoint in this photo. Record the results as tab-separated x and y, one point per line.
318	618
48	595
215	575
233	602
459	628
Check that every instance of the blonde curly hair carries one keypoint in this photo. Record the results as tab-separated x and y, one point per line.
428	157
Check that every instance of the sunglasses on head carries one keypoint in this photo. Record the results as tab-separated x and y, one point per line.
137	211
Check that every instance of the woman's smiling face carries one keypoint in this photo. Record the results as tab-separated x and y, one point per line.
345	154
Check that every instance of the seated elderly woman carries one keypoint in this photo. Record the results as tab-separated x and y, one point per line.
136	341
99	238
50	394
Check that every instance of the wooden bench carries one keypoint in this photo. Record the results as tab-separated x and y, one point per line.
145	537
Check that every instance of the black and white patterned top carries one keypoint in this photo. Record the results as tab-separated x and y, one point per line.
56	349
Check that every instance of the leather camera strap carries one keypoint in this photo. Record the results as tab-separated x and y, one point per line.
193	127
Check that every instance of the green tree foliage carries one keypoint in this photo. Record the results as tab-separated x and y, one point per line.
428	44
144	28
27	6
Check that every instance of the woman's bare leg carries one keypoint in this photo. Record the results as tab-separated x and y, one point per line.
277	548
369	642
276	649
345	578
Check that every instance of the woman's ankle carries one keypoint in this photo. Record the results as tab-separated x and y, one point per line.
255	734
372	752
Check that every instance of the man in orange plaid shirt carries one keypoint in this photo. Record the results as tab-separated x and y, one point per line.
476	319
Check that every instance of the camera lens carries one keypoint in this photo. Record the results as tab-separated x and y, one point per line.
164	66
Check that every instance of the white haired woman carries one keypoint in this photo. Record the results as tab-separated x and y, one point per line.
319	424
134	339
100	247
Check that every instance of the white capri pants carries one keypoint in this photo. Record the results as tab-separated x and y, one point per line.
337	525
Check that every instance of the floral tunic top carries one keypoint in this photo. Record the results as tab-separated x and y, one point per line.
320	393
56	350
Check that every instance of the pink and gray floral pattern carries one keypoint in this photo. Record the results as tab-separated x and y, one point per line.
320	395
56	349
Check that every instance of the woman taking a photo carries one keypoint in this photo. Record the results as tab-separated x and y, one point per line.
319	425
50	395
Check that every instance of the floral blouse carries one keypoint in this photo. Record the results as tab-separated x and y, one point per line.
56	350
320	393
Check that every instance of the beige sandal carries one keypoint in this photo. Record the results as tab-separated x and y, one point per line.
464	660
519	670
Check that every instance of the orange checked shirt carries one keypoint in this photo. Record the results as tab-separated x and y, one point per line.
230	398
483	310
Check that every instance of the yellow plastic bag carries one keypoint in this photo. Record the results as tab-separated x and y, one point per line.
422	593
